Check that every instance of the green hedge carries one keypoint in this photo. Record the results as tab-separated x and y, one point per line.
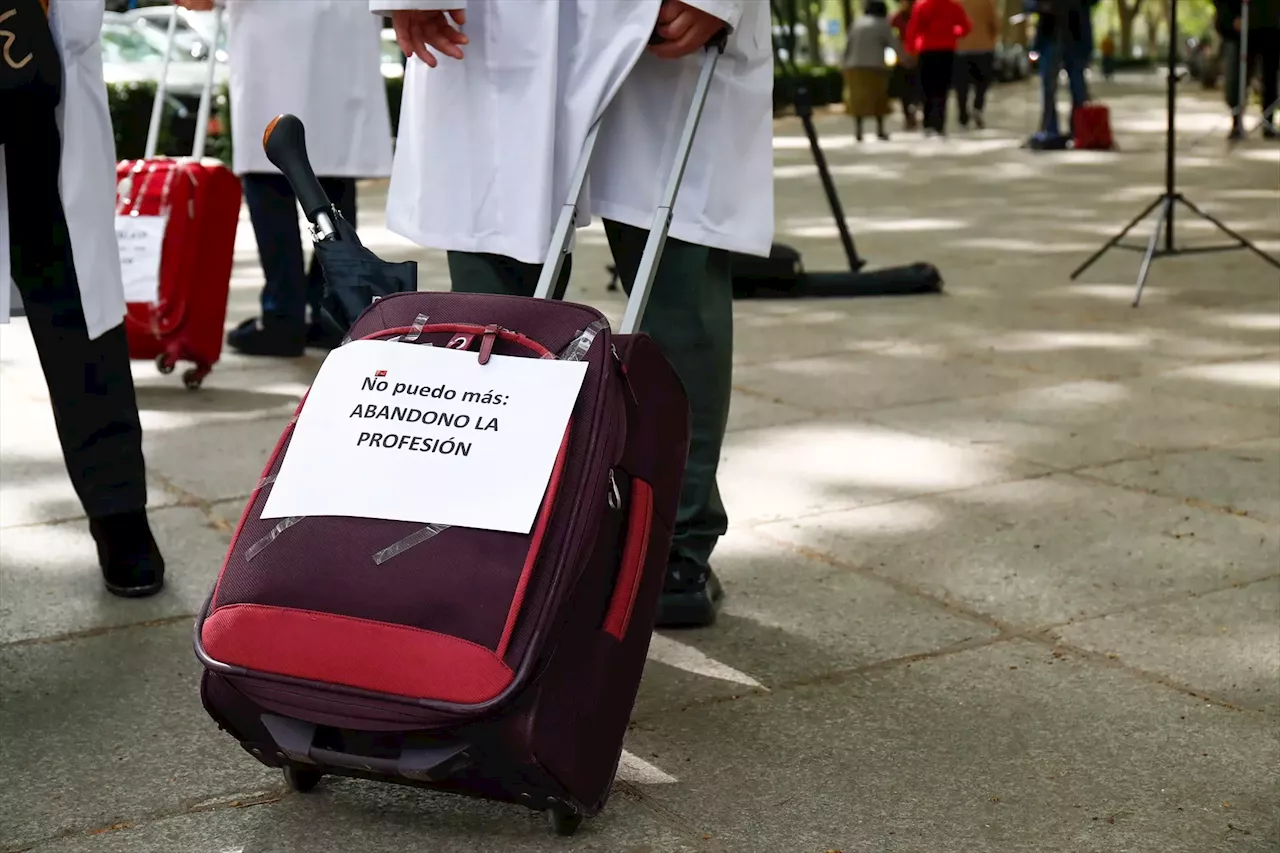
826	86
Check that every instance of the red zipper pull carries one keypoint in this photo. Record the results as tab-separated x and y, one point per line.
486	343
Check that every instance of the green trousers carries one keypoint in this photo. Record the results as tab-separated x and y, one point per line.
690	316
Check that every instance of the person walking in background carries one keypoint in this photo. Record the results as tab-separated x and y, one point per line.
549	69
1108	50
320	60
1064	41
936	26
866	73
1263	54
975	60
905	81
58	243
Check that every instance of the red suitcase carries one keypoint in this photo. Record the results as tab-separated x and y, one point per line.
491	664
1092	130
201	198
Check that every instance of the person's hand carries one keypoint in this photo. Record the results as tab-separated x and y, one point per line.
195	5
419	31
684	29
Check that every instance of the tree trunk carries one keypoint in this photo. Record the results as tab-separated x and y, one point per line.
813	11
1128	12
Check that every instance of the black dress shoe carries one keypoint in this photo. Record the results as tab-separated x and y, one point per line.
689	603
279	339
127	552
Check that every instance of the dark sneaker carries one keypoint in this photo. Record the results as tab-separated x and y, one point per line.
283	340
1269	131
689	603
128	555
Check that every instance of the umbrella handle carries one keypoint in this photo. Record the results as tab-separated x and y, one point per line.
285	143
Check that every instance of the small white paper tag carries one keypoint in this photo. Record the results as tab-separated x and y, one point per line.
141	239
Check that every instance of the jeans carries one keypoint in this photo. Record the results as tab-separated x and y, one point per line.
1052	60
973	69
273	209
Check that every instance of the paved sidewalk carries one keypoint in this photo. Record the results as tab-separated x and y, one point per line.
1004	572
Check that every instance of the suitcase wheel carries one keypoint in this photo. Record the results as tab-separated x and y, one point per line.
165	364
301	781
565	822
194	377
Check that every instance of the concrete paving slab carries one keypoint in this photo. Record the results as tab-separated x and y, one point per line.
370	818
111	729
835	462
842	383
230	461
35	487
1047	550
1084	423
1225	643
1241	478
789	618
986	751
1253	384
53	586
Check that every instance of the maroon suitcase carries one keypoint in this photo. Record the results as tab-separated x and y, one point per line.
493	664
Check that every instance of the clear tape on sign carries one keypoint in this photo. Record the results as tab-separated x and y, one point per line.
258	547
418	325
415	538
575	351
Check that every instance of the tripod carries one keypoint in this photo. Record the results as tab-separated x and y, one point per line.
1171	197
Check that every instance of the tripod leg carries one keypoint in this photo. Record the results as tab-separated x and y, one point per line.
1243	241
1116	239
1166	205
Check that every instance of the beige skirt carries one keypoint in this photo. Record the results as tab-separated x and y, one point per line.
866	92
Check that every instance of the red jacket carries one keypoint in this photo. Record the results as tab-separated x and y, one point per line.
935	25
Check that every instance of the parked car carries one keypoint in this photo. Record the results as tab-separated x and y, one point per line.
1011	63
193	33
134	54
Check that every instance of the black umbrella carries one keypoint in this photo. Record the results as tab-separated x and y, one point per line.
354	276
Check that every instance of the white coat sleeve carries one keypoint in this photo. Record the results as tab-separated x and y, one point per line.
383	7
729	11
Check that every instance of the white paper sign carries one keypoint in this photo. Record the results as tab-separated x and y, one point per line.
428	434
141	239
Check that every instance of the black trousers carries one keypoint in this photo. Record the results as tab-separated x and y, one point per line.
973	70
937	69
90	384
273	209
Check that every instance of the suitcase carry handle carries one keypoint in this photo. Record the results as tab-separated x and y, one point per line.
295	740
653	247
206	94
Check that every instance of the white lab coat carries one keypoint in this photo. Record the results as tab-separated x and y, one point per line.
88	178
321	61
487	145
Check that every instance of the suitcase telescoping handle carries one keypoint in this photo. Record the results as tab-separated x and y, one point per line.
206	95
653	247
